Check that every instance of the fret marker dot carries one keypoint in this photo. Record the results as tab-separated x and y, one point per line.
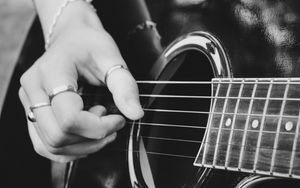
289	126
255	123
228	122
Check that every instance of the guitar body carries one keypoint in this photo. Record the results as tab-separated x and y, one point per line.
259	39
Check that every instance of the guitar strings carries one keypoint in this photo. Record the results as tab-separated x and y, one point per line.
157	153
217	144
274	116
174	155
204	97
193	157
224	80
168	139
203	127
132	123
271	116
208	97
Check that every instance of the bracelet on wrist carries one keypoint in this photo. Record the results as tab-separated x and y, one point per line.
56	17
143	26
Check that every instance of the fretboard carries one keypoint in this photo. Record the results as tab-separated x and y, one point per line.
253	127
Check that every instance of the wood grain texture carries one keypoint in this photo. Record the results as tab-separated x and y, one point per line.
265	140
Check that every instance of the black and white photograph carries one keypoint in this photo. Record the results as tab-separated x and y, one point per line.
150	93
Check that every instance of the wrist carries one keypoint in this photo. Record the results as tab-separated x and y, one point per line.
70	14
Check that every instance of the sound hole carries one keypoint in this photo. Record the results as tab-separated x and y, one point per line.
170	139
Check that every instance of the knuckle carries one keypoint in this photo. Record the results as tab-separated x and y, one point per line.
44	70
25	78
29	75
21	93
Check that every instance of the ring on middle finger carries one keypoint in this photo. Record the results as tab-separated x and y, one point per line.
61	89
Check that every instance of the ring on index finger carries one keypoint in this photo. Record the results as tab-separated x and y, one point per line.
112	69
61	89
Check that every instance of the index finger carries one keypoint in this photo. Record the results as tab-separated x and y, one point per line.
125	92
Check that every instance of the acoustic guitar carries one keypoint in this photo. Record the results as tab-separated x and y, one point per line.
221	100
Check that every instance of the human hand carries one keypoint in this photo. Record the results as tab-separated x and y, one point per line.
64	131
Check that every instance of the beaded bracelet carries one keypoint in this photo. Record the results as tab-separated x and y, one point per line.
56	17
143	26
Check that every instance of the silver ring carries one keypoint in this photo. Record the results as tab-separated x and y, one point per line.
30	115
61	89
148	24
112	69
39	105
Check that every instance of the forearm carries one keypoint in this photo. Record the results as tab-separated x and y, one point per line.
76	13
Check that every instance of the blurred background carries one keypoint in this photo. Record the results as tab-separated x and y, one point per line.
15	19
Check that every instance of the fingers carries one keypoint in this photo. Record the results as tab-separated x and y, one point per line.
64	122
125	93
48	128
72	119
66	153
38	145
64	131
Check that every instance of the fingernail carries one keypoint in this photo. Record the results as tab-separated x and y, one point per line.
136	108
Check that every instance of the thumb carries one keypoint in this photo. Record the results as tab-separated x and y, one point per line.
125	93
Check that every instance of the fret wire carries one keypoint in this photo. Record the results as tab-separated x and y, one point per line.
233	124
222	117
246	127
278	129
206	136
294	147
261	126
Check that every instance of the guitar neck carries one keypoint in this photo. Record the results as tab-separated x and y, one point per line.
254	127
